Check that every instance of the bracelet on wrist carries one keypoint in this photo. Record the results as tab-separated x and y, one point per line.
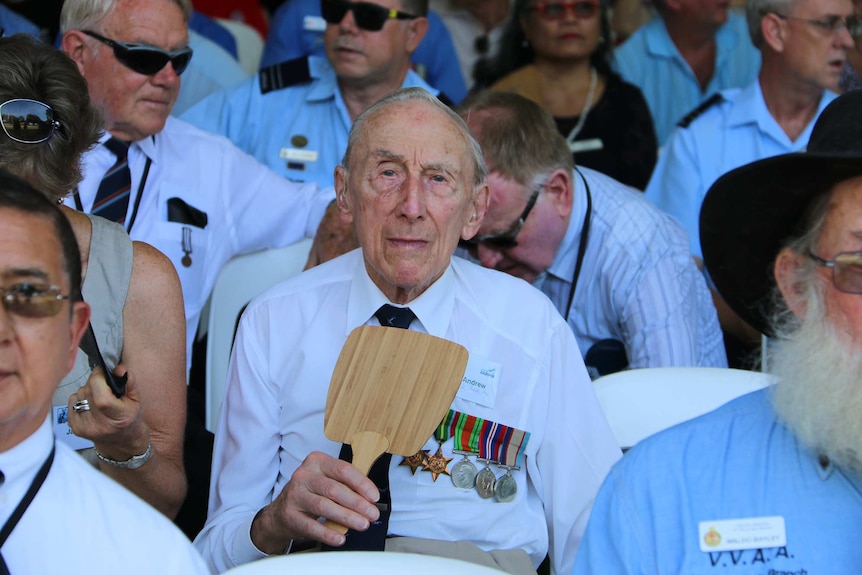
133	462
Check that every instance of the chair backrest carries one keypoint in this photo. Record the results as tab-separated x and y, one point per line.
240	281
249	44
641	402
361	563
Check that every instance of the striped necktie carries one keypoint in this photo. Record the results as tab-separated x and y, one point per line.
112	199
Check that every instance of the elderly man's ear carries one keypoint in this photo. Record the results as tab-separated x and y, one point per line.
342	198
479	206
786	265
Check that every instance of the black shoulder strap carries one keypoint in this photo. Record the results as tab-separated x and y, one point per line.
446	100
706	105
284	74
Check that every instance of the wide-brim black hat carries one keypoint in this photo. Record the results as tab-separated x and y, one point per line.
749	213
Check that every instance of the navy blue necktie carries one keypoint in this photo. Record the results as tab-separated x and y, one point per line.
374	538
112	199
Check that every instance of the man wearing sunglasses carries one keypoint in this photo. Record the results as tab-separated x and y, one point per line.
58	513
616	267
191	194
688	51
770	482
296	115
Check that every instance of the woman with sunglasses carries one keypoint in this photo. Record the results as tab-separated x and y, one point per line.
133	290
557	53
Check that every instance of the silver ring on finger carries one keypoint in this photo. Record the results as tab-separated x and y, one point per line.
81	405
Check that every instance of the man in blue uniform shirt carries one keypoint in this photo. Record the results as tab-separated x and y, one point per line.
296	115
690	50
616	267
770	483
297	28
804	46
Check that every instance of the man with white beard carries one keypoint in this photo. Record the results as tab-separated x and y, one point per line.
770	483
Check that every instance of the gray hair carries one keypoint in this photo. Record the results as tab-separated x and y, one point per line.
519	138
357	131
754	12
87	14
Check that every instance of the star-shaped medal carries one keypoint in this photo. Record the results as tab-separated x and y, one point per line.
415	461
437	464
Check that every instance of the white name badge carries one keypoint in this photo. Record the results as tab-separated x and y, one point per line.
297	155
480	382
586	145
63	432
739	534
314	24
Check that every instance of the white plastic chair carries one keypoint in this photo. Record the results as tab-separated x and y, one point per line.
249	44
361	563
640	402
240	281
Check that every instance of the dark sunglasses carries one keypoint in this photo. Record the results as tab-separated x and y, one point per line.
367	16
28	121
582	9
146	60
506	240
32	300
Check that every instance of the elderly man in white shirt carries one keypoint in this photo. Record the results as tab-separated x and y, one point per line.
412	183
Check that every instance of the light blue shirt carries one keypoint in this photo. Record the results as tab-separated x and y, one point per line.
638	283
211	69
738	462
300	132
13	23
650	60
297	28
734	132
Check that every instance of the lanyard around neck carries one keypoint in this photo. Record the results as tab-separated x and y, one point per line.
582	246
23	505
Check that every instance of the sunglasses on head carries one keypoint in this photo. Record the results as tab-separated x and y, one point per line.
32	300
146	60
367	16
28	121
582	9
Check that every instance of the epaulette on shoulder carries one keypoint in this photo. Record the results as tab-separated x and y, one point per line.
706	105
284	74
446	100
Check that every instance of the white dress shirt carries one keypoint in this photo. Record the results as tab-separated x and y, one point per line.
248	207
82	522
638	283
288	342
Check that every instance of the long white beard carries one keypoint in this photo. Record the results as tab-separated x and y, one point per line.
820	391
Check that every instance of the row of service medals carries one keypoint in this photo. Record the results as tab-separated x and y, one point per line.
491	444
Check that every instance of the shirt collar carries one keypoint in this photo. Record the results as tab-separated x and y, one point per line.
433	308
567	255
23	460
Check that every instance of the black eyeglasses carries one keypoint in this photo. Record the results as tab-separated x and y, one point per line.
846	270
830	24
146	60
28	121
582	9
32	300
367	16
508	239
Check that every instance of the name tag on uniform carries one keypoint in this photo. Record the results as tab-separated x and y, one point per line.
313	24
480	382
586	145
297	155
739	534
64	433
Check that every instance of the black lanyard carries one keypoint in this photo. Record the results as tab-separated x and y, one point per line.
22	507
582	246
80	206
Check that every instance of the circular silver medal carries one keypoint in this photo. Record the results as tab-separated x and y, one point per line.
485	482
464	474
506	488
